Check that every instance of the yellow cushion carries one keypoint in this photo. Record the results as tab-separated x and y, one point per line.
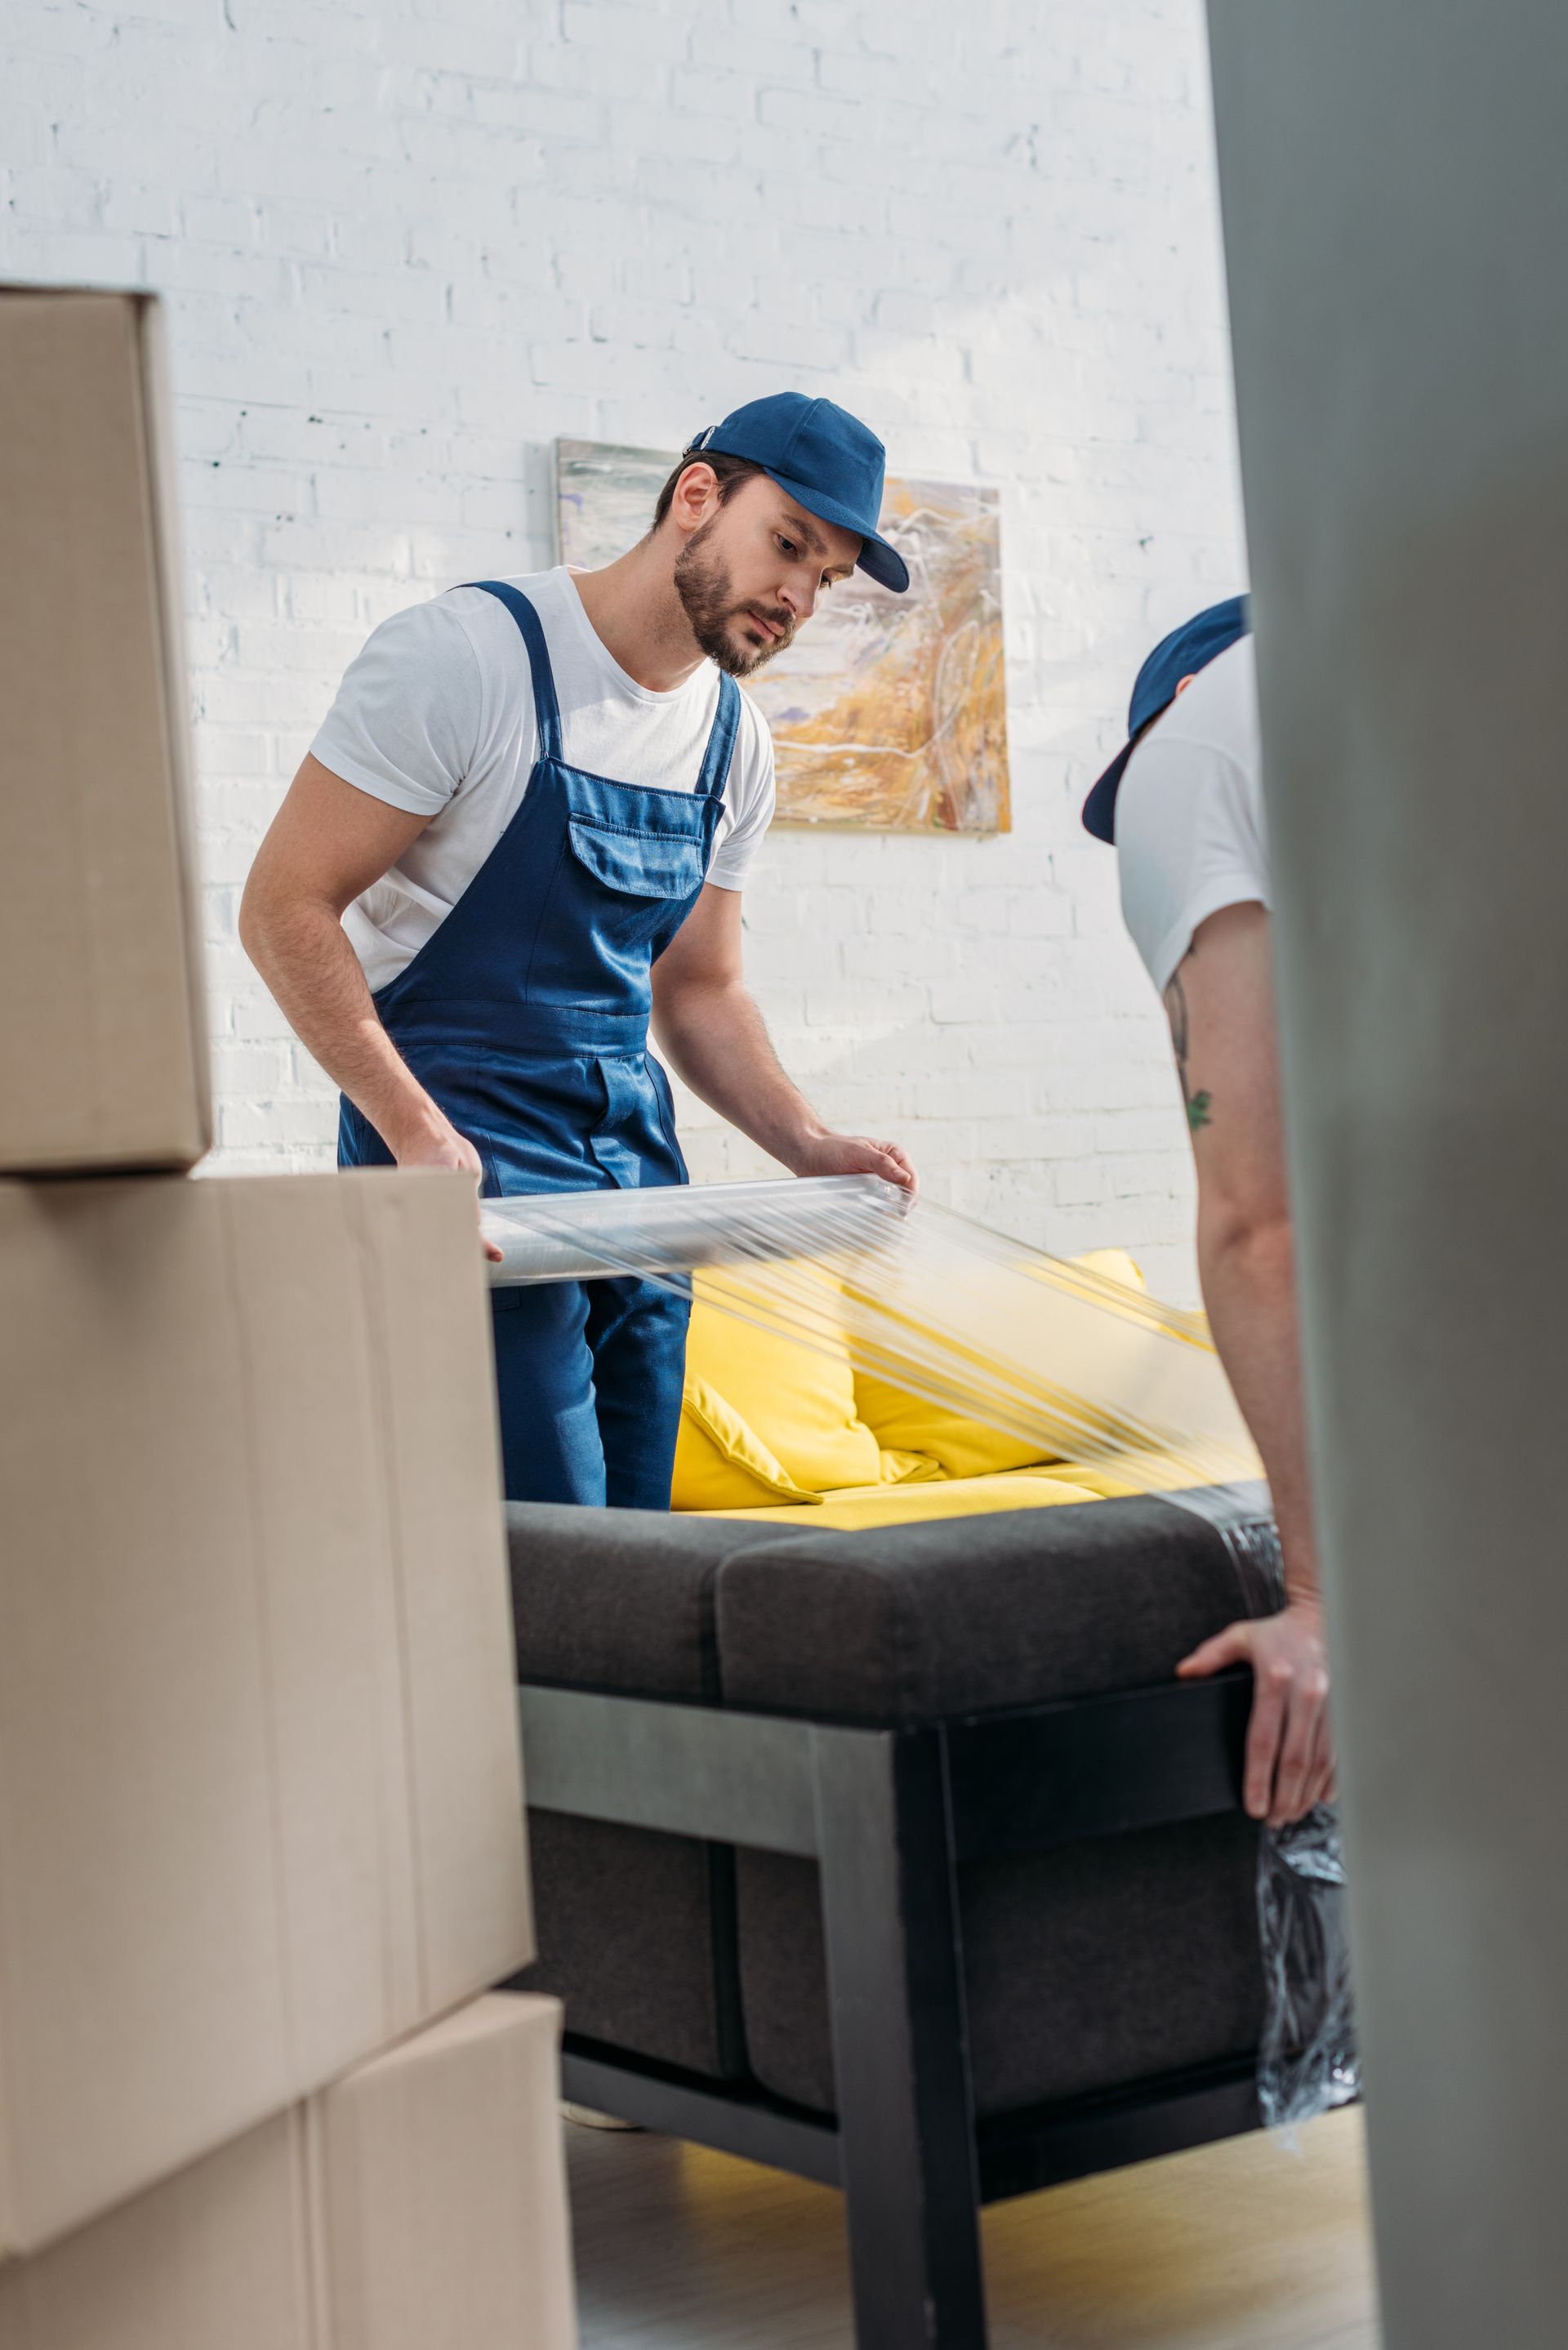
722	1464
906	1423
797	1401
890	1505
910	1469
963	1447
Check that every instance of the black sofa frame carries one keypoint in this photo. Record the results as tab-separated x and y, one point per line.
889	1814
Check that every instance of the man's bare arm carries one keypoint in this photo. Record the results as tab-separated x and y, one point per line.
711	1031
326	844
1221	1012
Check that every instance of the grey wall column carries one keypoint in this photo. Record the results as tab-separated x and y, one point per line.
1395	181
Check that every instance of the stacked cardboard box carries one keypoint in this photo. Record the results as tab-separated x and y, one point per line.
103	1035
416	2204
261	1815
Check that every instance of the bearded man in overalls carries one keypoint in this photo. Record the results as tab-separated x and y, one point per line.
522	830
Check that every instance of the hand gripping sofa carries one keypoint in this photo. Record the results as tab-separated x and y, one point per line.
892	1854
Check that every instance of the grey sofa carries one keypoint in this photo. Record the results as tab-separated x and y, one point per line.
894	1858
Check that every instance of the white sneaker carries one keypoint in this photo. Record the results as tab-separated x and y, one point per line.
588	2118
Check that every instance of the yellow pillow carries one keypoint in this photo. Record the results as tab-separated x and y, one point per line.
797	1401
720	1462
904	1422
910	1469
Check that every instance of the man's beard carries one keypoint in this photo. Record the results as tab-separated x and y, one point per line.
705	588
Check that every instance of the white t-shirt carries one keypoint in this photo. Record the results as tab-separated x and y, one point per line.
1191	834
436	715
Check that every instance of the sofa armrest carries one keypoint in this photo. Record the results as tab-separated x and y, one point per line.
621	1600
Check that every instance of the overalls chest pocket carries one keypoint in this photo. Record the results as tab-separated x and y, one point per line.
621	895
638	864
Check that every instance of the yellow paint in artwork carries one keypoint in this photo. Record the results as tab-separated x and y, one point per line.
891	711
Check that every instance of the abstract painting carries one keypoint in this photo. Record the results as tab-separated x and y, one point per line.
888	711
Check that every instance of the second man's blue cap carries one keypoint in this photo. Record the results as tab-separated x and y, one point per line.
1183	653
829	461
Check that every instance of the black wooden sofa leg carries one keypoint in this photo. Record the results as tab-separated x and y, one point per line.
900	2048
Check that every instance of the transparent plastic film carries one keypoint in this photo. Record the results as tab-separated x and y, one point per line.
1085	1366
1307	2059
1127	1395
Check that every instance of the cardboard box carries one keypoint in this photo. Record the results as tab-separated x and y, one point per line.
259	1802
103	1031
417	2204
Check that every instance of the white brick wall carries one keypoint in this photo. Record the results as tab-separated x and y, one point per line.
405	245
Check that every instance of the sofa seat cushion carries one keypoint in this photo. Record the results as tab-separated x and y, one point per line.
1086	1968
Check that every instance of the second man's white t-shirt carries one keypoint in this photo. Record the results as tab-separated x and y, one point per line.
436	716
1191	833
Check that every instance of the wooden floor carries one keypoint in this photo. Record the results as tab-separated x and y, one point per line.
1244	2246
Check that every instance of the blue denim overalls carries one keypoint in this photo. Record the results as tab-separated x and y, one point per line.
524	1016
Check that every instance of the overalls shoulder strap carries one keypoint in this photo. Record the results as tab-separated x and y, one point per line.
721	741
546	708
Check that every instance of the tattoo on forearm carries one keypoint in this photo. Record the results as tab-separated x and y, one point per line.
1200	1107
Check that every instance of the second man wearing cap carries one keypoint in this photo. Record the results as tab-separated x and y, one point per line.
522	832
1183	804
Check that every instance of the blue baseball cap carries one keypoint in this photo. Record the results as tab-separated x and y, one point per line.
1183	653
827	460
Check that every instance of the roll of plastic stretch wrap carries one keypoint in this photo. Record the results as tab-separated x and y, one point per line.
563	1235
1088	1367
